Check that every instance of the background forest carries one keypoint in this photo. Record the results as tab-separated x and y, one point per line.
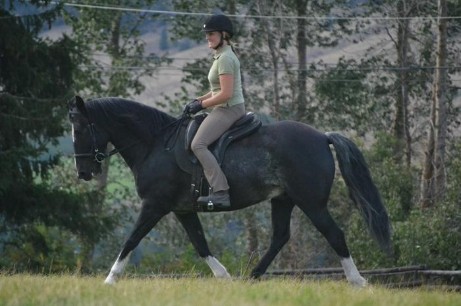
394	88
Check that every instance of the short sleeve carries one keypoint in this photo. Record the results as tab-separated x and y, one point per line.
226	65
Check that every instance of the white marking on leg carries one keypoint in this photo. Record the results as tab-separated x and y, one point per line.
116	270
352	273
218	269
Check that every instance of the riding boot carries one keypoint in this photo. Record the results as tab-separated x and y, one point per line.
218	199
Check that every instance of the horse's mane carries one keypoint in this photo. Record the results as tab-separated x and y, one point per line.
142	120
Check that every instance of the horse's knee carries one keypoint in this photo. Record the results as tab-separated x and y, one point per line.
284	239
278	241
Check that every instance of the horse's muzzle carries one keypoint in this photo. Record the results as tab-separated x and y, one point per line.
85	176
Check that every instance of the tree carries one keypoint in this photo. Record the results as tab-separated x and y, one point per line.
43	224
35	79
433	177
401	123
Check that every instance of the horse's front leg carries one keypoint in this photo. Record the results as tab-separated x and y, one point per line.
147	219
194	230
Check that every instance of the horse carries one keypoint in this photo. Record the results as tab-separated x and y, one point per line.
287	162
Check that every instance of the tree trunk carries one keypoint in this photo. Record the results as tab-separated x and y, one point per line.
433	178
301	100
441	102
275	75
252	231
427	183
400	128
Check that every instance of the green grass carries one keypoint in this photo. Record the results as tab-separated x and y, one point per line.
37	290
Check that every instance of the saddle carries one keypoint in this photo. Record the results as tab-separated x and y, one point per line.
245	126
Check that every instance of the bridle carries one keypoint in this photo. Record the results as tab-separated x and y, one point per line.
97	155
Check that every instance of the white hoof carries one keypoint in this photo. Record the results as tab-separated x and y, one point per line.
219	271
359	282
352	274
110	280
224	275
116	270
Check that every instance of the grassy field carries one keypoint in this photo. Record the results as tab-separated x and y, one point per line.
75	290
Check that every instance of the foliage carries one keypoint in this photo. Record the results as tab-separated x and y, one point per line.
35	78
59	225
397	184
49	223
431	237
428	237
349	91
111	38
36	247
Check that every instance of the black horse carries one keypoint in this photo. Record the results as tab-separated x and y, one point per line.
288	162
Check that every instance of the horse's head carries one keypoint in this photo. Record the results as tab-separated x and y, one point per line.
90	142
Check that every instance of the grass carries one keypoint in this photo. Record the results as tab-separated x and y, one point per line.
21	289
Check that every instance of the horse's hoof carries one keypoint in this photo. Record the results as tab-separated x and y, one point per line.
359	282
226	276
110	280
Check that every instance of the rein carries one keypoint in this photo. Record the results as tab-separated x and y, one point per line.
177	129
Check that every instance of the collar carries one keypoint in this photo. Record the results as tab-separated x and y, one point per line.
220	51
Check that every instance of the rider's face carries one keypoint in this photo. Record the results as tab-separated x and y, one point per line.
213	39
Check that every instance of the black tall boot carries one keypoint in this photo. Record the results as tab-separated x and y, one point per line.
219	199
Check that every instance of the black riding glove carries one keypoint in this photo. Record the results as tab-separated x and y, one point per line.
193	107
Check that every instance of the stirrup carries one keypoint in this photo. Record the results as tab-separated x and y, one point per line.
214	200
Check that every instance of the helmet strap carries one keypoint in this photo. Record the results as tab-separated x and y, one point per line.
221	41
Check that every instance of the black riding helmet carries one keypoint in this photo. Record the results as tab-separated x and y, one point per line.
219	23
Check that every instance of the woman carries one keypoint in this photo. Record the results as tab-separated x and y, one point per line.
227	103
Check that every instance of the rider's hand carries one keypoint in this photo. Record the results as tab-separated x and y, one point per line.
193	107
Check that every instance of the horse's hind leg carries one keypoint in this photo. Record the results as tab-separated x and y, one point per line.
194	230
323	221
147	219
282	207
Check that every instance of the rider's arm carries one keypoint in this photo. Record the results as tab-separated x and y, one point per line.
205	96
226	82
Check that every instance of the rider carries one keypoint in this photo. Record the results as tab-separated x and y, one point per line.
226	100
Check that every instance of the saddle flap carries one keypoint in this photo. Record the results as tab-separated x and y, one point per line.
191	130
248	124
194	124
243	127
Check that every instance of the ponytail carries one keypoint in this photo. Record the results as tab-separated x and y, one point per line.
227	37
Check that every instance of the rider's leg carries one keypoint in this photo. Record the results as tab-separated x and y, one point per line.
215	124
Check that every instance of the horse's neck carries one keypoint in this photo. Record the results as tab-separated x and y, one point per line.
130	149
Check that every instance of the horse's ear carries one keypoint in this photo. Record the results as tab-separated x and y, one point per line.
80	104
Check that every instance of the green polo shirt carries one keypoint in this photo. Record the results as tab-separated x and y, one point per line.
226	62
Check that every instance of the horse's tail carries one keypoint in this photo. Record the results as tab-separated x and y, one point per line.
362	190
